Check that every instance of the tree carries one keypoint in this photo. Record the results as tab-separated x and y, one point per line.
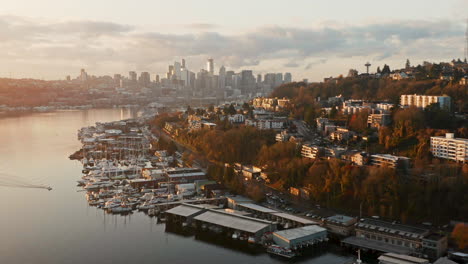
460	235
407	64
189	110
378	70
232	110
386	69
211	108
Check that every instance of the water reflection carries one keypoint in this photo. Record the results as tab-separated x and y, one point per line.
39	226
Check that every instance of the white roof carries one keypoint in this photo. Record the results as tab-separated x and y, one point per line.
295	233
257	208
295	218
401	259
233	221
184	210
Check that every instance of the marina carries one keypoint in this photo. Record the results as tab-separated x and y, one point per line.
64	215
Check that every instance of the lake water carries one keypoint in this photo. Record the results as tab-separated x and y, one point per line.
58	226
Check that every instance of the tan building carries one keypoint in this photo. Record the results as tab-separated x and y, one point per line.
450	148
423	101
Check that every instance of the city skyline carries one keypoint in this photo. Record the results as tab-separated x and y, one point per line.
317	41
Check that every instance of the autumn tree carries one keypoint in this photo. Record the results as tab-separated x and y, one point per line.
460	235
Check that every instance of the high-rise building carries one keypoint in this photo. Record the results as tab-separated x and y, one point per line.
259	78
117	78
170	72
287	77
221	82
278	79
177	70
132	76
145	79
183	63
210	66
83	75
157	78
270	79
247	82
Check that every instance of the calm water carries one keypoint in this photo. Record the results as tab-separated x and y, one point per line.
38	226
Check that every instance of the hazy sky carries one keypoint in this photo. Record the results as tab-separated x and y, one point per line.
309	38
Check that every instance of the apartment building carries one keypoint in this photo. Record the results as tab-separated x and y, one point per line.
311	152
450	148
423	101
388	160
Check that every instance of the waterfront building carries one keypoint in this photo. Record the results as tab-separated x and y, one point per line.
450	148
184	175
340	225
392	258
434	246
300	237
222	221
423	101
396	238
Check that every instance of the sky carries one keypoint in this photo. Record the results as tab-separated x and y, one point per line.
312	39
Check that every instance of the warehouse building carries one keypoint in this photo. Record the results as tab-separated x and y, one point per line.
392	258
300	237
242	226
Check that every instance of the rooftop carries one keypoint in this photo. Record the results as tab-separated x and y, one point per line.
243	223
340	219
185	210
295	218
258	208
401	259
240	199
390	227
375	245
295	233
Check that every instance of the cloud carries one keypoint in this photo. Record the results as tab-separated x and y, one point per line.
95	42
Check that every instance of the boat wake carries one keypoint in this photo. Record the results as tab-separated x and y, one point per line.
12	181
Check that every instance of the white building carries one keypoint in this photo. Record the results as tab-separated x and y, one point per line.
449	147
425	100
390	161
237	118
309	151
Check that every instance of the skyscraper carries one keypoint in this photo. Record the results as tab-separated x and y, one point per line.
287	77
177	70
259	78
183	63
278	79
83	75
132	76
210	66
222	78
145	79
